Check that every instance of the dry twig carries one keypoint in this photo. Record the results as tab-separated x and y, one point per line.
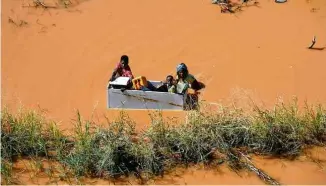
259	172
313	42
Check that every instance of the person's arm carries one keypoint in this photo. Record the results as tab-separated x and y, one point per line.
129	74
115	71
196	85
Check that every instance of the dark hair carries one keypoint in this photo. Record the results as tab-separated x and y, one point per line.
182	67
125	58
169	76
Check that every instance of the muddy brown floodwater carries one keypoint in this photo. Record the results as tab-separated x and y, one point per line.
61	60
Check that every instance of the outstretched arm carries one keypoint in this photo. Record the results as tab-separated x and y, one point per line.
196	85
114	73
116	70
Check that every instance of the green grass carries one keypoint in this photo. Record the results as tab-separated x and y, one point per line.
22	135
112	151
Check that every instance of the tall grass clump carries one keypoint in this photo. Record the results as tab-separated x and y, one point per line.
27	134
279	131
22	134
110	152
197	140
315	117
284	131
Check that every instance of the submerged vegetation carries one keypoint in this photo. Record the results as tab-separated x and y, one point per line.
228	135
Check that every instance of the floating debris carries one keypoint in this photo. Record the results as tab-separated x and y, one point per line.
280	1
313	42
224	4
218	1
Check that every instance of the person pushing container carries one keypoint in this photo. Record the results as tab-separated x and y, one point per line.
186	80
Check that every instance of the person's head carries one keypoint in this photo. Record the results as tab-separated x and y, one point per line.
169	80
182	70
124	61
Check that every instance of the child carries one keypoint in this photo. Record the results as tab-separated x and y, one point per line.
170	84
122	69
